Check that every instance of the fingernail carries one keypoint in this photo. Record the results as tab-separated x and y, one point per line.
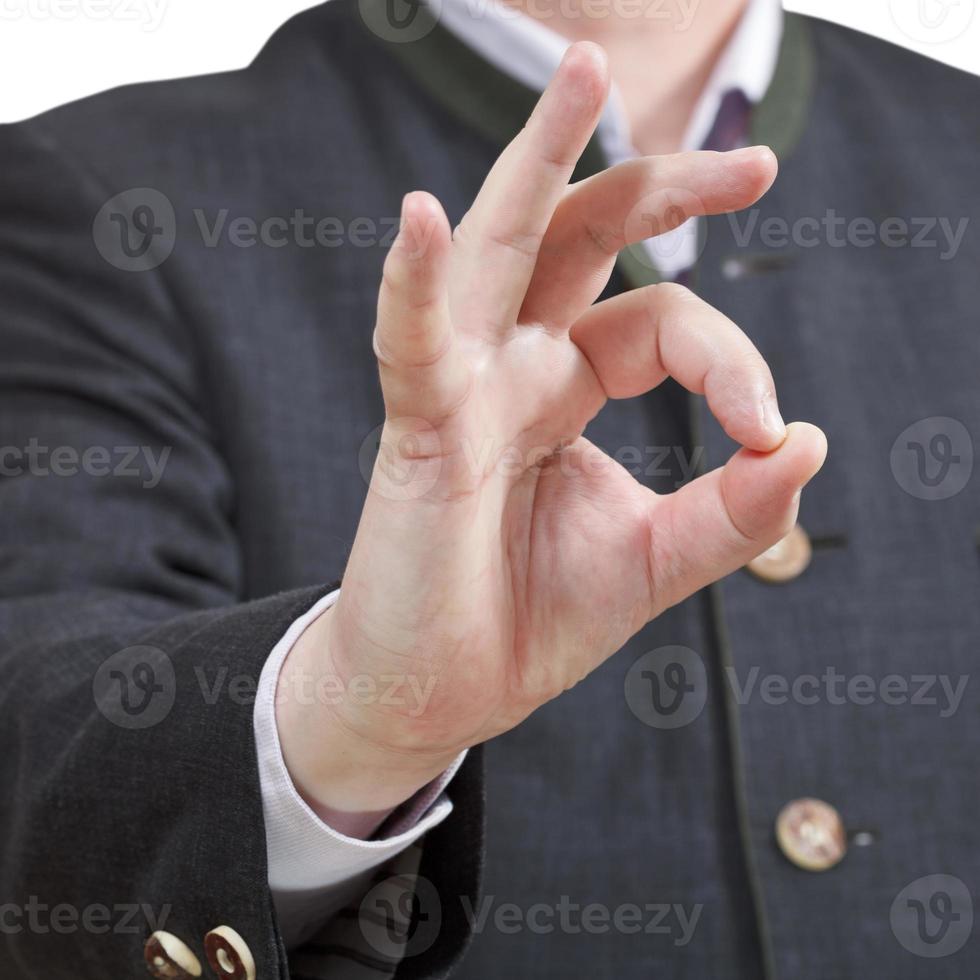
771	418
751	151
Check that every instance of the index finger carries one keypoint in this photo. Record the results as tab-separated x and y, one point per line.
637	339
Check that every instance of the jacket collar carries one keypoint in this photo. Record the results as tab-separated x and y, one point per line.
496	104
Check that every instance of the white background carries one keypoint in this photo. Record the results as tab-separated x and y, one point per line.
52	51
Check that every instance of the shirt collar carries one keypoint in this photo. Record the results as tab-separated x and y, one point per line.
528	51
748	64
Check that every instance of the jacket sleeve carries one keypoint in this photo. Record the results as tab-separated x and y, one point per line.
129	653
129	660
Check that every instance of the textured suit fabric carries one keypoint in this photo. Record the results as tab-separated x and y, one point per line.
254	365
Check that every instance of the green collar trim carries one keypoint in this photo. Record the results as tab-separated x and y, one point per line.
456	77
780	118
497	106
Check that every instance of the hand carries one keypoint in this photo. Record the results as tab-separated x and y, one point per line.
500	556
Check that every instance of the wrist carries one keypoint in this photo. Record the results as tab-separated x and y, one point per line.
343	754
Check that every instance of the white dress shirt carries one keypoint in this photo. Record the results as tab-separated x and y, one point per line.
530	52
314	870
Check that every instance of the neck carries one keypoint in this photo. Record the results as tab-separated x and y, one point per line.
660	58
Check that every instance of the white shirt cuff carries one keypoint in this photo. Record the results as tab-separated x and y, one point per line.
312	867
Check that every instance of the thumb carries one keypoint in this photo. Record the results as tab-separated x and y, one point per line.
722	520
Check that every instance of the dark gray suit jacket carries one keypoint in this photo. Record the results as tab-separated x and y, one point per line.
130	599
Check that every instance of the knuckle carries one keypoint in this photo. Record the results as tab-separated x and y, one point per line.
606	240
527	244
381	352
